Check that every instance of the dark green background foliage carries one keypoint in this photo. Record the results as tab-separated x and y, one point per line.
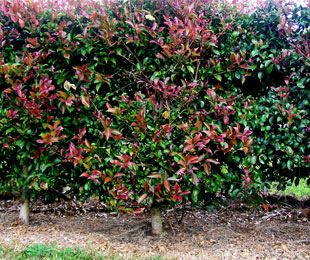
153	101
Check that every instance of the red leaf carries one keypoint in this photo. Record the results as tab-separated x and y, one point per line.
249	142
154	175
209	134
116	132
211	93
214	161
112	110
62	108
206	168
192	159
195	179
176	188
201	157
188	146
67	55
167	185
14	19
87	143
243	66
174	197
21	23
140	118
107	121
107	179
107	133
197	136
181	171
243	79
130	23
118	174
181	163
287	81
116	162
95	180
75	162
226	120
198	124
72	149
146	186
95	173
185	192
232	58
139	211
265	206
142	198
85	100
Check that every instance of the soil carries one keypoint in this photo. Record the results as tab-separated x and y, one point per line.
234	232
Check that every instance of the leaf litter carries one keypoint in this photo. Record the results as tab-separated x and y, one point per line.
236	231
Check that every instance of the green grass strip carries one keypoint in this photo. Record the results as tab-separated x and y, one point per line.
52	252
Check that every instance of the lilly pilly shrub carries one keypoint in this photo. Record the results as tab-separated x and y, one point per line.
160	149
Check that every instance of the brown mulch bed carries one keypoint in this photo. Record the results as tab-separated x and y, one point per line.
235	232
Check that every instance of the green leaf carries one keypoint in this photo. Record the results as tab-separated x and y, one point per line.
237	159
269	69
224	170
190	69
218	77
254	53
235	34
216	52
9	130
194	195
267	63
20	143
235	193
253	67
150	17
289	164
237	75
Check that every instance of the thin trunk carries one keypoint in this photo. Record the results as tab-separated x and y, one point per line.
24	208
157	223
24	212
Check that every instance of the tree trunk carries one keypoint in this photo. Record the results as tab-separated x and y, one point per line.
24	208
24	211
157	223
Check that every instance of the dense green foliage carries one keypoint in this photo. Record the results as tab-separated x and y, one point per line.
152	101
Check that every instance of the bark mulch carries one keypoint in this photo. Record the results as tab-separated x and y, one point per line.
235	232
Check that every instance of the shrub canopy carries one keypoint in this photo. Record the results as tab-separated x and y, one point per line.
152	101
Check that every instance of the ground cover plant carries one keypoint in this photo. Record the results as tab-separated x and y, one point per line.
155	102
300	191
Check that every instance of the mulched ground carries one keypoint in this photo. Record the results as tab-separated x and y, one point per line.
235	232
